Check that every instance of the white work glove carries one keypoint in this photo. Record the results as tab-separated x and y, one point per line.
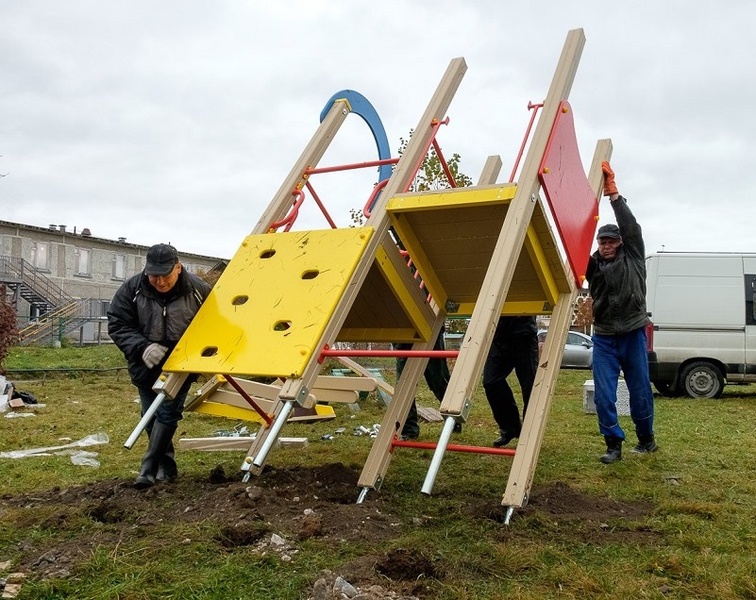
153	354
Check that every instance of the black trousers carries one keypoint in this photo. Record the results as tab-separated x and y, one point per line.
518	354
436	376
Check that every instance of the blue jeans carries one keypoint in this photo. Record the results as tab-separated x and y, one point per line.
170	411
627	352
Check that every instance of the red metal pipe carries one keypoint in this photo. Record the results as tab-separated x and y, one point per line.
390	353
243	393
349	167
320	204
435	125
370	201
444	165
453	447
289	219
534	108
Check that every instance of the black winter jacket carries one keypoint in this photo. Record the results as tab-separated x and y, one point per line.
618	287
509	328
139	315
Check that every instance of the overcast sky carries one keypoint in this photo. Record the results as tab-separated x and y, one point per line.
177	121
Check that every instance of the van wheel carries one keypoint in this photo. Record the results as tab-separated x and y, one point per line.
702	380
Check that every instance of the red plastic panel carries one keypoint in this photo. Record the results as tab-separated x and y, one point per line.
573	203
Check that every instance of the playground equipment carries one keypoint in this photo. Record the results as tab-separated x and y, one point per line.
288	296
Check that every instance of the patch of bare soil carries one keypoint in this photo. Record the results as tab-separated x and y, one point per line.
559	511
275	511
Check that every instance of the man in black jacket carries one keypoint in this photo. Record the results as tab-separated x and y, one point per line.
148	315
617	277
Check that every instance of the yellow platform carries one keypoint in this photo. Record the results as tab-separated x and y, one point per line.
270	307
451	237
387	308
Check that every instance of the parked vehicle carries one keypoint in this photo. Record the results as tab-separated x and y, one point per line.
704	325
578	349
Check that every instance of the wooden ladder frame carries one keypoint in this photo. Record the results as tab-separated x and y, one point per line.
488	307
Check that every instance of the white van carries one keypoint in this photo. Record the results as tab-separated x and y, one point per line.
704	324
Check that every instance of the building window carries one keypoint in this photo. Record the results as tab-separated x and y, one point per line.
119	266
83	262
104	307
40	258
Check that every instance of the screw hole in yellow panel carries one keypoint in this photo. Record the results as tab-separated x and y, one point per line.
282	326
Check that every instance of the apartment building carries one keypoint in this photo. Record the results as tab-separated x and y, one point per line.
61	280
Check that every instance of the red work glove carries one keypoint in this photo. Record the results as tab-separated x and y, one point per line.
609	186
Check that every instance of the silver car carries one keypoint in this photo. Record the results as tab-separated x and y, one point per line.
578	349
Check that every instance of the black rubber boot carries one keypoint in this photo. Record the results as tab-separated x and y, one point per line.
160	438
646	444
504	438
168	469
613	450
411	429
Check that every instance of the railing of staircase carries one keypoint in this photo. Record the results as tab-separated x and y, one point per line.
21	271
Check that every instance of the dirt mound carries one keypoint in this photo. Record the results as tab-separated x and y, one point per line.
277	510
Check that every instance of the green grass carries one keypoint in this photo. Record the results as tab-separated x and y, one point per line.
21	360
694	539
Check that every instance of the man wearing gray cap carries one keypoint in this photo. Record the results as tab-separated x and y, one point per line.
147	316
617	278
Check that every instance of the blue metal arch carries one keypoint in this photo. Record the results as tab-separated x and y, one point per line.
362	107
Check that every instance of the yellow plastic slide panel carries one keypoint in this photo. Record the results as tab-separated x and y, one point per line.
217	409
271	305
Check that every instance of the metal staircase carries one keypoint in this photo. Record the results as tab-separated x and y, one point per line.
59	312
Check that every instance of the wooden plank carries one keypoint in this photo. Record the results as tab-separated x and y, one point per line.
268	391
357	384
9	396
233	443
337	396
228	395
491	170
431	415
319	412
533	427
358	368
205	391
